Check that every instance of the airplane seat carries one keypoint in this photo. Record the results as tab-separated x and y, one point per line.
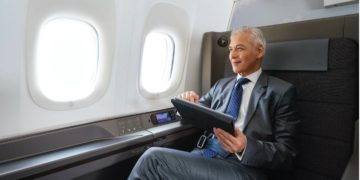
325	74
327	106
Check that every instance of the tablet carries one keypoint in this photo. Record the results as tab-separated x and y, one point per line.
203	117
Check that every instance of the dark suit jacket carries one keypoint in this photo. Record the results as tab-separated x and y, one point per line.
270	122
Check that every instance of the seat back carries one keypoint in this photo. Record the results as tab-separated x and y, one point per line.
325	75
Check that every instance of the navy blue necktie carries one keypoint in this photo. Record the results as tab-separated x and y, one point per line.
235	100
213	147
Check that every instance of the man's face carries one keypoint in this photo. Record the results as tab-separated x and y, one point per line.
245	54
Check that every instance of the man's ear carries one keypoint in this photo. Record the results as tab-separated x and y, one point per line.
261	52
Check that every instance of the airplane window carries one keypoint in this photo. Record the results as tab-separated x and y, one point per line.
157	62
66	61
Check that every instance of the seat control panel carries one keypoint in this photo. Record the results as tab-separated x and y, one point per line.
162	117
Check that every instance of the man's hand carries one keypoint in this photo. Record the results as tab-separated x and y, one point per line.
190	96
232	144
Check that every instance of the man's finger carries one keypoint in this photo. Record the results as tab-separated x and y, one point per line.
226	143
191	98
224	133
237	132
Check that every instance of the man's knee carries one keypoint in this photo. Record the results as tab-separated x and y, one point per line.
153	152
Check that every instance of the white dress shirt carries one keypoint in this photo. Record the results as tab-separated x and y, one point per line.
247	90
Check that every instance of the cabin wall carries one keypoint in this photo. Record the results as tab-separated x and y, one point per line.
264	13
20	115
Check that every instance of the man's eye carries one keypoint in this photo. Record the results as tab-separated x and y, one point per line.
239	48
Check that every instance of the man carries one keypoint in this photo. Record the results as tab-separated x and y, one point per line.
266	122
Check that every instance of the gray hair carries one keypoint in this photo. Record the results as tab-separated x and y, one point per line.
256	34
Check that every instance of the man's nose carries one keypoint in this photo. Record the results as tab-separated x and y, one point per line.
232	54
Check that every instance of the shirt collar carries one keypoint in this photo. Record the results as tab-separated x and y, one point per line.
253	77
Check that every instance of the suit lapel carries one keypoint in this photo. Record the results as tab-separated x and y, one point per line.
258	91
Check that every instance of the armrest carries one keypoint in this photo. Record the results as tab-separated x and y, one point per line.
43	162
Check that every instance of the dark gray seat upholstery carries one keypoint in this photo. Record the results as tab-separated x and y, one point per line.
327	104
328	107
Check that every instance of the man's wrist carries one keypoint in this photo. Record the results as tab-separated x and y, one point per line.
241	153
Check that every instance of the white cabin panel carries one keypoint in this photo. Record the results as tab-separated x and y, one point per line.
123	26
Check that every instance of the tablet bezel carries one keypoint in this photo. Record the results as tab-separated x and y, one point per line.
203	117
